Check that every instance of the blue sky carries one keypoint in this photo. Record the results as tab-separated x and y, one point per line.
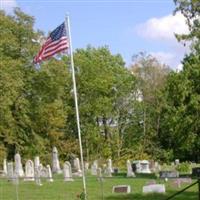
127	27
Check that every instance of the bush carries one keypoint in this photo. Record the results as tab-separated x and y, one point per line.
183	167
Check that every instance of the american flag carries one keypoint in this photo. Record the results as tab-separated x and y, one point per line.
56	43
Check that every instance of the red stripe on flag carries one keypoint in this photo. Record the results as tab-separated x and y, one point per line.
58	51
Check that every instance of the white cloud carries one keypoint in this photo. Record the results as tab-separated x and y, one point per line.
164	57
8	5
163	28
169	58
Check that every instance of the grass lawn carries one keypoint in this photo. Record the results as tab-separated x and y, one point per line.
60	190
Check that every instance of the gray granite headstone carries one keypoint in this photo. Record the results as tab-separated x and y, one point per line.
169	174
10	172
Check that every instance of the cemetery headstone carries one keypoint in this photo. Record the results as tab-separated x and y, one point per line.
37	162
130	172
177	162
115	170
142	166
37	176
49	174
86	166
43	171
55	161
169	174
18	166
77	167
99	174
108	172
67	171
110	165
10	172
5	171
121	189
29	171
196	172
94	168
156	188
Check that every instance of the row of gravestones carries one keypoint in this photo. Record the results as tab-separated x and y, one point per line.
36	168
35	173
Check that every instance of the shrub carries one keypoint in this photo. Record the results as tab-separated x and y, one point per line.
183	167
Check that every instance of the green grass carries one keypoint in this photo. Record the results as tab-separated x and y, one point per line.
60	190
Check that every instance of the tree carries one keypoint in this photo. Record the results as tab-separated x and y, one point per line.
180	122
16	49
104	88
151	78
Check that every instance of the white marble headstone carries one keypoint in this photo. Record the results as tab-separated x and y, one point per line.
86	166
18	166
130	172
110	165
49	174
5	171
94	168
55	161
29	171
67	171
177	162
37	176
37	161
156	188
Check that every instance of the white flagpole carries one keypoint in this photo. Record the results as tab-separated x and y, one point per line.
67	25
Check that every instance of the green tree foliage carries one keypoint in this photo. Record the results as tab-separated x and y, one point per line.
33	101
180	122
16	49
151	78
180	116
37	104
143	112
104	86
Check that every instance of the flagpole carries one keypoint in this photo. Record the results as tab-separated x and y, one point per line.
67	25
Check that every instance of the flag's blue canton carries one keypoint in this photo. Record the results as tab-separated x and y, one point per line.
59	32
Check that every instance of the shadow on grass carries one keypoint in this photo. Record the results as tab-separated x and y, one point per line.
184	196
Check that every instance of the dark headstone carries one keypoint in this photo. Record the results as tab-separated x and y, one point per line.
115	170
196	172
121	189
133	165
169	174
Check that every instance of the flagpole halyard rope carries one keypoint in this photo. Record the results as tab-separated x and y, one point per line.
67	25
